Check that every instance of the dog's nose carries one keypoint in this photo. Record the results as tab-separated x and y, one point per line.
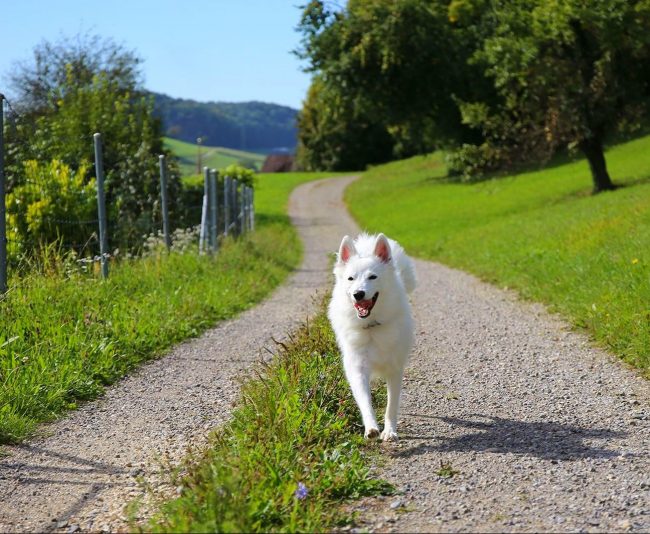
359	295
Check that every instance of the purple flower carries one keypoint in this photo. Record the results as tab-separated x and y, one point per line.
301	492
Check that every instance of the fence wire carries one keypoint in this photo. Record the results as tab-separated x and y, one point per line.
51	212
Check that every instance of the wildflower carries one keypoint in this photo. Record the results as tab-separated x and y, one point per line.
301	492
635	261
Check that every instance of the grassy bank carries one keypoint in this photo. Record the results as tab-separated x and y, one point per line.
211	156
540	232
292	453
64	335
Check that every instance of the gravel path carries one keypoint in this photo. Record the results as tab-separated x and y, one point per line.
546	433
82	474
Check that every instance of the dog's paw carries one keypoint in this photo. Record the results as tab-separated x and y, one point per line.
389	435
371	433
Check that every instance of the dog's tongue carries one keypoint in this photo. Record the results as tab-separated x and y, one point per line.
363	307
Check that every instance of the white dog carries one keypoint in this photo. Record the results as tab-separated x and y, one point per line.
371	317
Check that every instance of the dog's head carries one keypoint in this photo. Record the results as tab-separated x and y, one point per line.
362	276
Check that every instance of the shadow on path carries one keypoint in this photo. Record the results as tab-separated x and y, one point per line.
30	472
547	440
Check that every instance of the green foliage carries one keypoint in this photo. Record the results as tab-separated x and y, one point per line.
291	453
446	470
92	91
388	68
75	59
539	232
40	210
519	80
472	162
567	73
334	136
242	174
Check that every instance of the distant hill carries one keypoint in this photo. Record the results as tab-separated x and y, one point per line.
250	126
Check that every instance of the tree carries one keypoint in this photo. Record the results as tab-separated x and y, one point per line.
567	72
71	62
333	135
400	63
81	87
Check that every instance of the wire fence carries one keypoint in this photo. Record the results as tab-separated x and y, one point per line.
52	206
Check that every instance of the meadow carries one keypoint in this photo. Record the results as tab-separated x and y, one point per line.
211	156
540	232
66	334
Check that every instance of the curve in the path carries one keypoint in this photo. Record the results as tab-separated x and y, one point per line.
87	468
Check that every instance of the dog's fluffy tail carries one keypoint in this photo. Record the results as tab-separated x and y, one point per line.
404	266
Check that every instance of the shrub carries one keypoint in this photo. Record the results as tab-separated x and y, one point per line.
54	203
243	174
471	163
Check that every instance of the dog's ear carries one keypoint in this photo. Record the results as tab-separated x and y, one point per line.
382	248
346	250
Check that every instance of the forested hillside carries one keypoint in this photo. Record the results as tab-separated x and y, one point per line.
243	126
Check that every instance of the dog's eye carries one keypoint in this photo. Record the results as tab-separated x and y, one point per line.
350	278
372	277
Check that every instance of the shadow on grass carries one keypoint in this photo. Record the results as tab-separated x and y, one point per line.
267	218
558	160
547	440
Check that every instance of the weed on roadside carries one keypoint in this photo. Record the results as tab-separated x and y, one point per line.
290	456
446	470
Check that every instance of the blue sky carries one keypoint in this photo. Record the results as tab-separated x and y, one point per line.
220	50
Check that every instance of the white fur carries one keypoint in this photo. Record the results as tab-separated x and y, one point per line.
378	345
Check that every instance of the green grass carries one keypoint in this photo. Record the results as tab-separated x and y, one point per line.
211	156
296	424
539	232
64	335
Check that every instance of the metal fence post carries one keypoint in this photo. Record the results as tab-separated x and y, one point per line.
234	206
212	202
3	207
242	204
101	204
251	224
246	208
226	204
243	209
204	211
163	201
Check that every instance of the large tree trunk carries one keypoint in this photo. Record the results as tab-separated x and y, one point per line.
593	149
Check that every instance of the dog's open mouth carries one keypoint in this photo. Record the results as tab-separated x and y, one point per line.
364	307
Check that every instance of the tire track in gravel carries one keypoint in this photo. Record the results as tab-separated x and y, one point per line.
88	467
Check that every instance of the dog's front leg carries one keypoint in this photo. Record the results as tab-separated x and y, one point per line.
394	387
359	379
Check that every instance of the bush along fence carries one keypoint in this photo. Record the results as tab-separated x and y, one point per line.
53	203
